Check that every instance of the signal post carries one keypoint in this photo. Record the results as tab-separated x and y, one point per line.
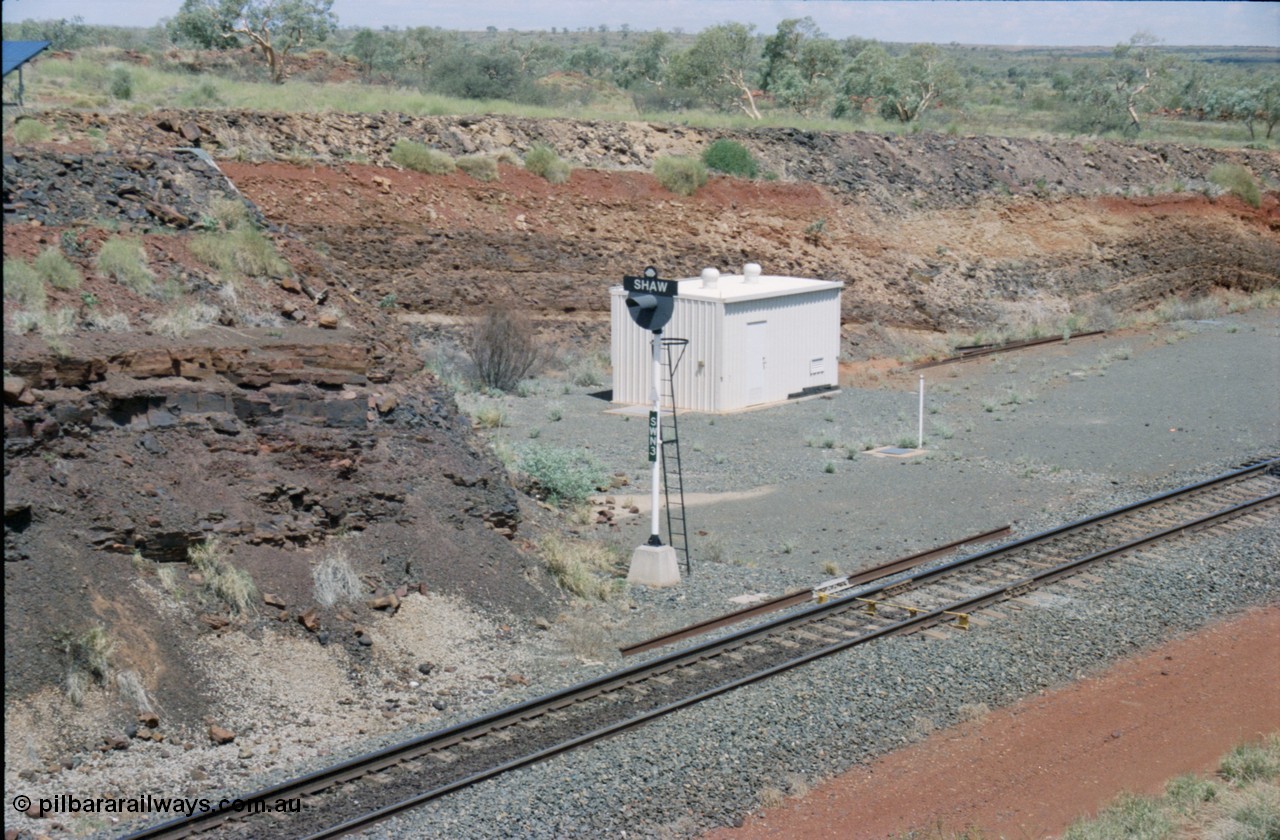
650	301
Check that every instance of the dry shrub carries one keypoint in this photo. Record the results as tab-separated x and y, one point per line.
480	167
420	158
504	347
578	565
87	658
542	160
22	285
230	585
335	580
125	261
57	270
771	797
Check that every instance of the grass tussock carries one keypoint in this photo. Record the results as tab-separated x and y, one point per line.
233	586
335	580
125	261
109	322
680	174
584	568
543	161
241	251
421	158
87	658
23	286
1238	181
480	167
1241	803
134	692
489	417
58	271
30	131
52	325
182	321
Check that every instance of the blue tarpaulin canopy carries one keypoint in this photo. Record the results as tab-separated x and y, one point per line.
18	53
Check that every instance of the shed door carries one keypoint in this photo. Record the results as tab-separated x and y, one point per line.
757	359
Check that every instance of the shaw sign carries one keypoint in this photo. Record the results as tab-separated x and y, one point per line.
650	300
651	285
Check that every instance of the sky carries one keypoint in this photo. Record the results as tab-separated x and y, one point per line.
1014	22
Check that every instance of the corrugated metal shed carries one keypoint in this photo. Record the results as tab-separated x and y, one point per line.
754	339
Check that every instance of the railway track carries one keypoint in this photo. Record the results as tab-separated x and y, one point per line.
364	790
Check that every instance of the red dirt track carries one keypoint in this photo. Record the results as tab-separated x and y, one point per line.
1032	769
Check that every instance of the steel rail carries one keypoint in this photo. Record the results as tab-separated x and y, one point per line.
918	622
990	350
397	753
795	599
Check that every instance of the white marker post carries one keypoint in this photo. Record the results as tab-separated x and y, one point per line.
655	439
920	428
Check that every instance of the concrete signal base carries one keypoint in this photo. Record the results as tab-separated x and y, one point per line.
654	565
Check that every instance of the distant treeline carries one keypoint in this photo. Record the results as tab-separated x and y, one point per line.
794	70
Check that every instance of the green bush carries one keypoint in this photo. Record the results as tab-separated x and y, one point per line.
731	158
22	285
564	476
681	175
125	261
480	167
121	83
30	131
1236	179
54	267
420	158
203	95
542	161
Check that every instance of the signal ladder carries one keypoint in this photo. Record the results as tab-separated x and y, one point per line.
672	477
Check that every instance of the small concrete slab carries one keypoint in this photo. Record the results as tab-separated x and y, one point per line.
895	452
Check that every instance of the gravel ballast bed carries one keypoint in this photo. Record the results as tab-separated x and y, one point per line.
705	766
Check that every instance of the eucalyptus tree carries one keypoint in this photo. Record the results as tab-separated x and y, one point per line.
274	27
722	66
902	87
801	67
1253	99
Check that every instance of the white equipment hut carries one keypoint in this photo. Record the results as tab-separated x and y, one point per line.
754	339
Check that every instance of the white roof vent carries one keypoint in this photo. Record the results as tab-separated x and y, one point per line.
710	278
751	273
